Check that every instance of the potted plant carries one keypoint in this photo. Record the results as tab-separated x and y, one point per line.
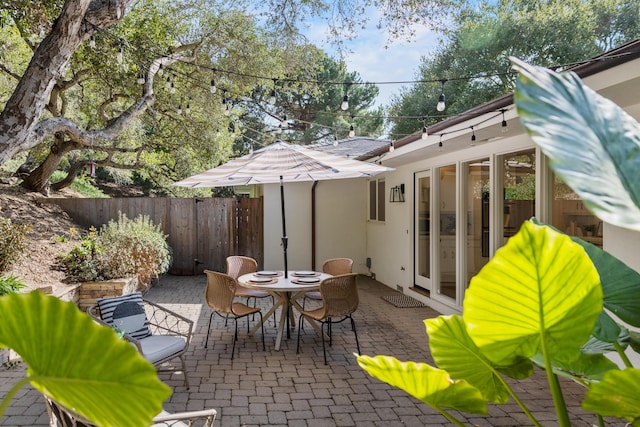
122	256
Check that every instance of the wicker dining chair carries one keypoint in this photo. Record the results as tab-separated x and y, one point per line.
220	292
239	265
60	416
158	333
339	301
334	267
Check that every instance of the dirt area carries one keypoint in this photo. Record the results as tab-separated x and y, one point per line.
37	269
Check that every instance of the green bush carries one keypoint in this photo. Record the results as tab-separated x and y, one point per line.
122	248
13	242
10	284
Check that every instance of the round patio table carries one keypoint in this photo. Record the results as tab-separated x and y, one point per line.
286	292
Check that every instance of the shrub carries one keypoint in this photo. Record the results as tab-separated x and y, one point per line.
10	284
122	248
13	242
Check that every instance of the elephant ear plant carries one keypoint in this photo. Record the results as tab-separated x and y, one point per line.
78	363
547	299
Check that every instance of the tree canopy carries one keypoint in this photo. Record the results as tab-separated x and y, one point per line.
126	84
473	56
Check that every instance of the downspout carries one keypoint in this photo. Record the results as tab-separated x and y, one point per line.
313	226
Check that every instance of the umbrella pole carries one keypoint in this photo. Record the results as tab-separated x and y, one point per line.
284	229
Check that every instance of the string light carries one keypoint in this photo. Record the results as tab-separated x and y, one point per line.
441	99
272	96
180	109
440	143
160	70
335	140
140	79
120	55
352	131
504	128
212	87
173	87
473	136
425	133
188	109
344	106
391	147
167	84
92	42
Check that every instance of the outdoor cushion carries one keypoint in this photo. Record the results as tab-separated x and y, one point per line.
126	314
158	347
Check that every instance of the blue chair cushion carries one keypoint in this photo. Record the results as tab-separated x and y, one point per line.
126	314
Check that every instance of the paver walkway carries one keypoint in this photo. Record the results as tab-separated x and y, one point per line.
282	388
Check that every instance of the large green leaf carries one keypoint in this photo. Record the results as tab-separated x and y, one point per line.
540	288
431	385
593	144
454	351
616	395
80	364
585	369
620	284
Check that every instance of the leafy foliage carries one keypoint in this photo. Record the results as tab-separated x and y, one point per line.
546	33
9	284
542	297
106	380
123	248
13	242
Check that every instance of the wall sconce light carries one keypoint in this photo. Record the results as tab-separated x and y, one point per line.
396	194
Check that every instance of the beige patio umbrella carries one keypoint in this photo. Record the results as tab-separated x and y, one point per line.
282	162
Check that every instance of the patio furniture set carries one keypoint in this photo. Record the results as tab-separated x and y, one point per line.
162	335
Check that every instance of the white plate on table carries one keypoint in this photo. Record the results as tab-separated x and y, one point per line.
255	279
308	280
267	273
305	273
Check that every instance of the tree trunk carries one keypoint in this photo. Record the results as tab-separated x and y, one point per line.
38	179
74	170
24	109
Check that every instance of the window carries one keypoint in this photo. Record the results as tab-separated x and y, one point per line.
376	200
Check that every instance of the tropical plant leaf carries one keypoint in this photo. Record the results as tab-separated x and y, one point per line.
585	369
634	341
620	284
454	351
564	118
540	288
597	346
431	385
80	364
616	395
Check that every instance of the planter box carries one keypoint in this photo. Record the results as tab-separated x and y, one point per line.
89	292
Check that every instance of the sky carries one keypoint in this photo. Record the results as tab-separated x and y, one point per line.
375	63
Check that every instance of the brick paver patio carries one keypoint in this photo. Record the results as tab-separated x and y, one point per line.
282	388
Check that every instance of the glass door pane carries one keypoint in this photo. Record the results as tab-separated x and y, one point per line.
447	232
477	199
423	230
571	216
519	192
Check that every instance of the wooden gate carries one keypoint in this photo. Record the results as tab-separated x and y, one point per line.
201	232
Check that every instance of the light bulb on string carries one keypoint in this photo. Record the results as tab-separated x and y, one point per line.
440	144
425	133
167	84
441	99
188	109
344	106
212	88
272	95
173	87
335	141
140	79
504	128
160	70
180	109
120	55
391	147
352	132
92	41
473	136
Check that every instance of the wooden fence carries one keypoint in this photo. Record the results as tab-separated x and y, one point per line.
202	232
